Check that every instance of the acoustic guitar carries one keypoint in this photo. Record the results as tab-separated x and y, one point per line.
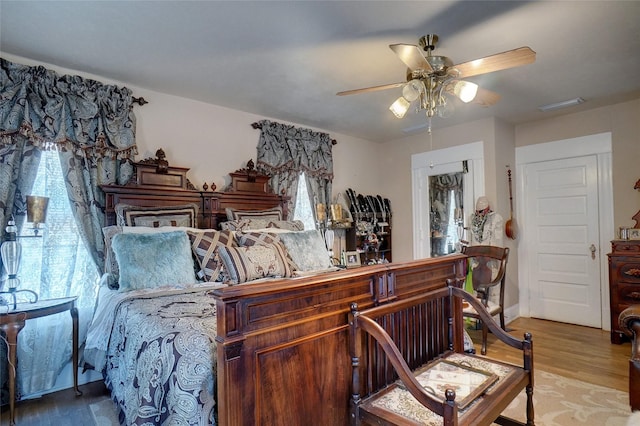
510	226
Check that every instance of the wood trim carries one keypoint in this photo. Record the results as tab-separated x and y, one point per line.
157	185
298	330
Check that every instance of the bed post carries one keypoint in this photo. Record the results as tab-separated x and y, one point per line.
355	348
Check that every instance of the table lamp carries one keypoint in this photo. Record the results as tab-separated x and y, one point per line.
11	249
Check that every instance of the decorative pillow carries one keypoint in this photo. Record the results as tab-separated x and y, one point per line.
153	260
244	264
183	215
254	238
250	224
110	262
290	225
244	224
307	250
205	244
270	214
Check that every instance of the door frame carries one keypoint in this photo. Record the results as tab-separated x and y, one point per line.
600	146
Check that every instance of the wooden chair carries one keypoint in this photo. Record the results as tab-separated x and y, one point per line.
480	258
630	323
393	335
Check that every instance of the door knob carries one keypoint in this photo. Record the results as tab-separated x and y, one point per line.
593	251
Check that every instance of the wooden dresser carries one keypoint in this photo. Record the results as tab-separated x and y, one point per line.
624	281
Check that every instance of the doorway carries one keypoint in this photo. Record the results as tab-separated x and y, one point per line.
466	159
567	216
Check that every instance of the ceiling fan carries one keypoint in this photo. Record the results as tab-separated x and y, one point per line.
431	77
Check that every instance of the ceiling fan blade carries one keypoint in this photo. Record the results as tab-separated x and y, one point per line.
500	61
412	56
485	97
371	89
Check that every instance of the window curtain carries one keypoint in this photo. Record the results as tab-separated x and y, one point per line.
92	128
285	152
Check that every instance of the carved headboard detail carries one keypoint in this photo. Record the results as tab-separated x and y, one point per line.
157	184
249	179
156	172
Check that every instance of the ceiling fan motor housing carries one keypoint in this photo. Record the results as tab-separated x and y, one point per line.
428	42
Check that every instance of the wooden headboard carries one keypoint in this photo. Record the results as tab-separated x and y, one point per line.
156	184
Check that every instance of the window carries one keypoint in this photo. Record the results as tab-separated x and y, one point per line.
54	265
58	264
303	210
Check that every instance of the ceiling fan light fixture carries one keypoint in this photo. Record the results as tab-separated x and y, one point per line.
445	109
465	90
430	79
562	104
412	90
400	107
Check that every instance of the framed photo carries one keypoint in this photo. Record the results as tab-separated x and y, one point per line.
352	259
634	233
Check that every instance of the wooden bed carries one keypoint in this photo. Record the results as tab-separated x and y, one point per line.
283	345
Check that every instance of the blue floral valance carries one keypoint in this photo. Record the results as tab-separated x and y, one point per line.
67	112
288	148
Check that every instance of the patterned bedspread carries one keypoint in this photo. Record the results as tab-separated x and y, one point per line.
160	361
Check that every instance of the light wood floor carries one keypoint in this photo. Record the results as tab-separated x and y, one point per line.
581	353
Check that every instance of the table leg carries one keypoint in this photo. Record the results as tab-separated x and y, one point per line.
11	332
74	318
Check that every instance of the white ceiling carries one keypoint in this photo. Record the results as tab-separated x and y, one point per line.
286	60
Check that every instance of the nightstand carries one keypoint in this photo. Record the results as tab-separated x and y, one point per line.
13	320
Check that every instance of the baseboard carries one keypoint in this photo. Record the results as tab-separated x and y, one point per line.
511	313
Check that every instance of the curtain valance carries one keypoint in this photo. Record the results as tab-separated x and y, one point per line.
68	112
287	148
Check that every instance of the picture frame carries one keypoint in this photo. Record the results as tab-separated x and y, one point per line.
352	259
468	382
634	233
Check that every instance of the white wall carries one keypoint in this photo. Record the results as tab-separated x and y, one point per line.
623	121
395	160
212	140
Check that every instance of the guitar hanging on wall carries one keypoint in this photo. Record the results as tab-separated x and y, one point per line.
510	229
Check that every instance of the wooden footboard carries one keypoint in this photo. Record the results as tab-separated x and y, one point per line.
282	354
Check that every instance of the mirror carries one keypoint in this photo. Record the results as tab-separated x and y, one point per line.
446	216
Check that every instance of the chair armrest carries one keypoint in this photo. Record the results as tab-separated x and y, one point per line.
629	321
404	372
487	319
486	286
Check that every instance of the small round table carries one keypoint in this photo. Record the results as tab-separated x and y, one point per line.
13	320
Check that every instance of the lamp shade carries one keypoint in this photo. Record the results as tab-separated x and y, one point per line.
465	90
412	90
400	107
37	209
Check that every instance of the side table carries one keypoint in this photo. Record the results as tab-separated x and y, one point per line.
12	321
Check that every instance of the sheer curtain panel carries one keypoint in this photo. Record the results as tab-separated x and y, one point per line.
89	127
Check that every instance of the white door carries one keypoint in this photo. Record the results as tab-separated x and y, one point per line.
561	210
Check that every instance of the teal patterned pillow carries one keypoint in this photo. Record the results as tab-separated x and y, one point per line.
153	260
307	250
